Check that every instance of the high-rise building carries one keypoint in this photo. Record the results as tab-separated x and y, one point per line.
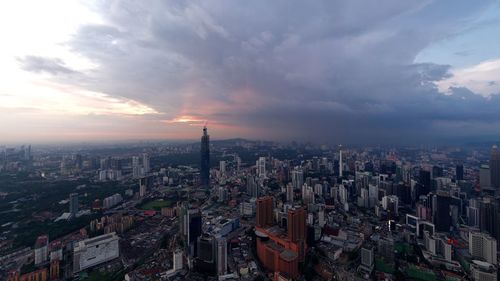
205	159
261	167
483	246
289	193
146	163
296	224
459	171
221	256
73	204
425	182
297	178
441	211
191	224
264	211
136	167
495	167
489	219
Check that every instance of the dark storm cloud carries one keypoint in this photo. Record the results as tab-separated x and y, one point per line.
325	71
37	64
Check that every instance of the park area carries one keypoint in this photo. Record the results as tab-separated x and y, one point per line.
156	205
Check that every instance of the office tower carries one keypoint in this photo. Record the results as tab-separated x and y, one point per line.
146	163
221	256
441	211
495	167
483	246
264	211
41	249
289	193
297	178
261	167
73	204
136	167
425	182
340	161
205	159
484	176
459	171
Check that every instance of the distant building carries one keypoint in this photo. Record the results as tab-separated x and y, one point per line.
95	251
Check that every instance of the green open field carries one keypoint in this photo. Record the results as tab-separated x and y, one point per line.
156	205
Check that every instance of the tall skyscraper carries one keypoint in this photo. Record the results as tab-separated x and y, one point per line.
495	167
73	204
205	159
264	211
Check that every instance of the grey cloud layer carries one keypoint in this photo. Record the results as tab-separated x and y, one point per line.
339	71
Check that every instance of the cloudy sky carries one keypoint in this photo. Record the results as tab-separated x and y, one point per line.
356	71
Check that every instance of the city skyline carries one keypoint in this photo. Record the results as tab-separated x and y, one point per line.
329	72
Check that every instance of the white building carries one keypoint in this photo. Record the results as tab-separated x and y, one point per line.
95	251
